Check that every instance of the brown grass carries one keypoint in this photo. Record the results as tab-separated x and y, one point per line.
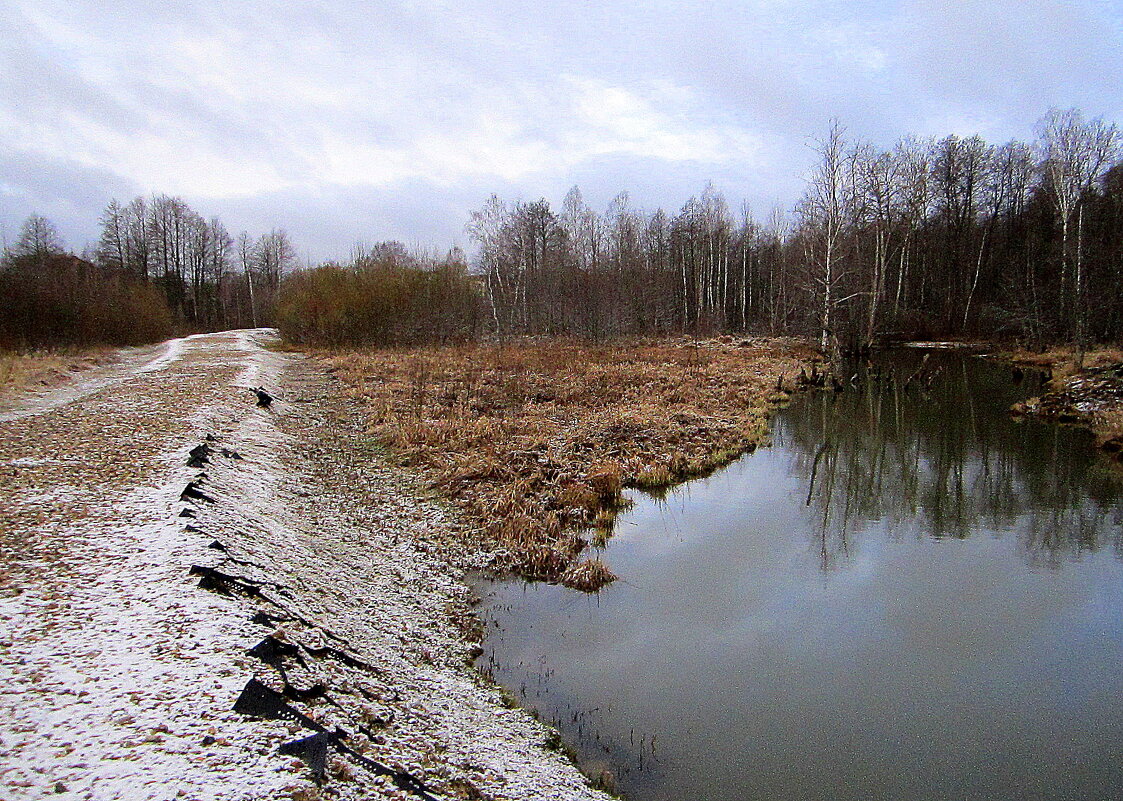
588	576
1108	427
20	371
1088	397
1061	359
535	441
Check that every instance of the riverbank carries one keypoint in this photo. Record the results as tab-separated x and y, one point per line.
786	602
206	599
534	441
1090	397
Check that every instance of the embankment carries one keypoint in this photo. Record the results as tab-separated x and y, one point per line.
207	599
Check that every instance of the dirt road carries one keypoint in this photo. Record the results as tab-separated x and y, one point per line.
140	594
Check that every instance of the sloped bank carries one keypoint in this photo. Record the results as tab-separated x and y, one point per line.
1090	397
367	634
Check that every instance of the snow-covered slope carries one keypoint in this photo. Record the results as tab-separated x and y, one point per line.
119	672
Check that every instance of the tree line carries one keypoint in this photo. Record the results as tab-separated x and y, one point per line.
937	237
385	295
159	267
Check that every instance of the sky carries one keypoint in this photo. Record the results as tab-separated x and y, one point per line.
364	120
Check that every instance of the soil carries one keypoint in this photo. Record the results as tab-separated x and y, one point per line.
1091	397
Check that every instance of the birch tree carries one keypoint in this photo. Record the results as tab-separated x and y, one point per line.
1074	154
823	210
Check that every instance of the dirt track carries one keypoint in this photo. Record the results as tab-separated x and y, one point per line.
119	673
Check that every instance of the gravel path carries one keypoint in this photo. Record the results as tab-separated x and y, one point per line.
128	608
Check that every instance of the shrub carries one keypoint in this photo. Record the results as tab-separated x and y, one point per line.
387	300
62	300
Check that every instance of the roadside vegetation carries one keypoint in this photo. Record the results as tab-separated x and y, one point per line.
20	371
159	269
385	296
537	440
55	300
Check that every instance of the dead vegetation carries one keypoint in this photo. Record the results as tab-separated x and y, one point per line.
1060	360
1091	397
588	576
536	441
20	371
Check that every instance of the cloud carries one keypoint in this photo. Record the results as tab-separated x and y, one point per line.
238	105
71	194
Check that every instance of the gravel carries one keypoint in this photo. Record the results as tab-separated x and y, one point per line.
119	672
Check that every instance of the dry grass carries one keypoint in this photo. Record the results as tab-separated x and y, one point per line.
536	440
1091	397
588	576
22	371
1061	359
1108	427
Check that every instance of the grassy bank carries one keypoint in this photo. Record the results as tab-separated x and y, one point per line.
535	441
1090	396
20	371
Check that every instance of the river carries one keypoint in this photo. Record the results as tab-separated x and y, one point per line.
908	595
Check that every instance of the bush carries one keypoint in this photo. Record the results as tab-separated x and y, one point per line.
390	299
62	300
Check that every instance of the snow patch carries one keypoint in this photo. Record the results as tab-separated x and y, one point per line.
173	350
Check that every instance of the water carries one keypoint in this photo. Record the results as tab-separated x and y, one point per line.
938	615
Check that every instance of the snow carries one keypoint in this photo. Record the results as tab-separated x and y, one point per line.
173	350
118	673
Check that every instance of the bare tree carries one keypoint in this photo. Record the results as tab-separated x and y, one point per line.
878	192
113	247
584	228
487	227
824	210
247	257
38	239
1074	154
913	159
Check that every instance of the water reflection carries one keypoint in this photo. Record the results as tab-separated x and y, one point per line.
946	461
938	615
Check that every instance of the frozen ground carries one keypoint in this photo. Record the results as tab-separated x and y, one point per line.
119	672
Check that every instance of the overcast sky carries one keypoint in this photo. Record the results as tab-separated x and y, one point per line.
366	120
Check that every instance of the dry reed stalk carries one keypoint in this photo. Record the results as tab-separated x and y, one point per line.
537	440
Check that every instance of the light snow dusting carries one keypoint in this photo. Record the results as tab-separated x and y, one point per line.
119	671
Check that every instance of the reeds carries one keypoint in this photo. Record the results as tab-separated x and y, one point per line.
537	441
588	576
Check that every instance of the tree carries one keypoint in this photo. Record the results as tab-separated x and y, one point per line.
247	256
824	210
958	170
878	190
487	227
38	239
113	247
1074	154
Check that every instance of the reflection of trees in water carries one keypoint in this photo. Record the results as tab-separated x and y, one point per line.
947	463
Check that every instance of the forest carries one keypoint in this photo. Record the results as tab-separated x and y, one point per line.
940	237
159	268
